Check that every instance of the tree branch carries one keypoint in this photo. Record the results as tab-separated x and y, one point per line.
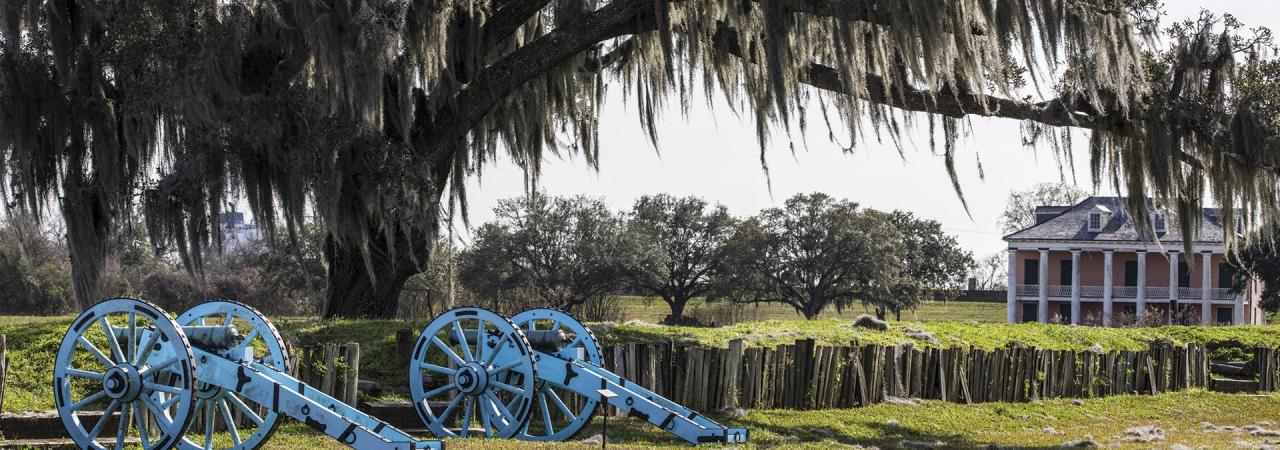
508	18
945	102
952	104
495	82
623	17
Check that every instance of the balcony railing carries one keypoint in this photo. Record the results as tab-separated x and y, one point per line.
1124	292
1154	293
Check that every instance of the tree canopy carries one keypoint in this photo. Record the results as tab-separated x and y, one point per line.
1258	262
932	261
677	248
812	254
372	113
555	252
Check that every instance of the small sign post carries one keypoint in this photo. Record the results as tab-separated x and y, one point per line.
605	394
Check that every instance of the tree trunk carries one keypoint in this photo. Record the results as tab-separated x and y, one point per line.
812	309
357	290
880	312
677	310
88	224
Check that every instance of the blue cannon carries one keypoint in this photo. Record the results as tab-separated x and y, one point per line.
219	367
216	377
536	376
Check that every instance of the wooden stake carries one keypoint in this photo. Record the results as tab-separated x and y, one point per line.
352	381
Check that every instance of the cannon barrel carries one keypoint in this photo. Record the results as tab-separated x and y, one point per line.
204	337
213	337
546	341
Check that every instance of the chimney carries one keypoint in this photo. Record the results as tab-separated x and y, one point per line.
1044	213
973	283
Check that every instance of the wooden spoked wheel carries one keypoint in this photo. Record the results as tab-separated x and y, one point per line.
246	424
124	375
473	365
559	414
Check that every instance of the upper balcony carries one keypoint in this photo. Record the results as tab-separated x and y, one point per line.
1122	292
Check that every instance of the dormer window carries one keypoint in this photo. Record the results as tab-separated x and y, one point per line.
1098	217
1095	222
1160	222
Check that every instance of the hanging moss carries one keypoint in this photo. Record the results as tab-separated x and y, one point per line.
371	114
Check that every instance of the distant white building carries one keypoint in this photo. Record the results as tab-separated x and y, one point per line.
1088	263
236	234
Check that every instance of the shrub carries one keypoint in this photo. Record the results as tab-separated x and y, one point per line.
35	274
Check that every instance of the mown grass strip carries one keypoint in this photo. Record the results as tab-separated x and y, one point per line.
1047	424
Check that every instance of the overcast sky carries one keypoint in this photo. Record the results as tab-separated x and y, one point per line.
714	154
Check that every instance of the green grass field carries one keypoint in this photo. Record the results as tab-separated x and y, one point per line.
1037	425
653	310
9	321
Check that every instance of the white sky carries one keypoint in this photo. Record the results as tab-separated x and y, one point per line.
714	154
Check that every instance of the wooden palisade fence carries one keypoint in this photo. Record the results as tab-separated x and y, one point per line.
4	368
1266	362
808	376
332	368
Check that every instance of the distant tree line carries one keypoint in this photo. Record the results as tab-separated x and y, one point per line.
277	275
814	253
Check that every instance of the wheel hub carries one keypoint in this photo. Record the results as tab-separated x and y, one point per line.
122	382
471	378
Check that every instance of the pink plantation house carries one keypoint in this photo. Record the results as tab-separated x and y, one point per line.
1087	264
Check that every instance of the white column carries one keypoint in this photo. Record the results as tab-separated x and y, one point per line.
1075	286
1205	271
1011	302
1044	286
1238	315
1107	281
1173	283
1141	300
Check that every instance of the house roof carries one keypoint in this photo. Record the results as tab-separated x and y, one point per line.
1072	224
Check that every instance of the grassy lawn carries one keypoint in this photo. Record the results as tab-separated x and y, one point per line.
1047	424
949	334
9	321
653	310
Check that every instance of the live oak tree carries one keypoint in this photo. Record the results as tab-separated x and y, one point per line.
677	248
372	114
558	252
814	253
1259	260
932	262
